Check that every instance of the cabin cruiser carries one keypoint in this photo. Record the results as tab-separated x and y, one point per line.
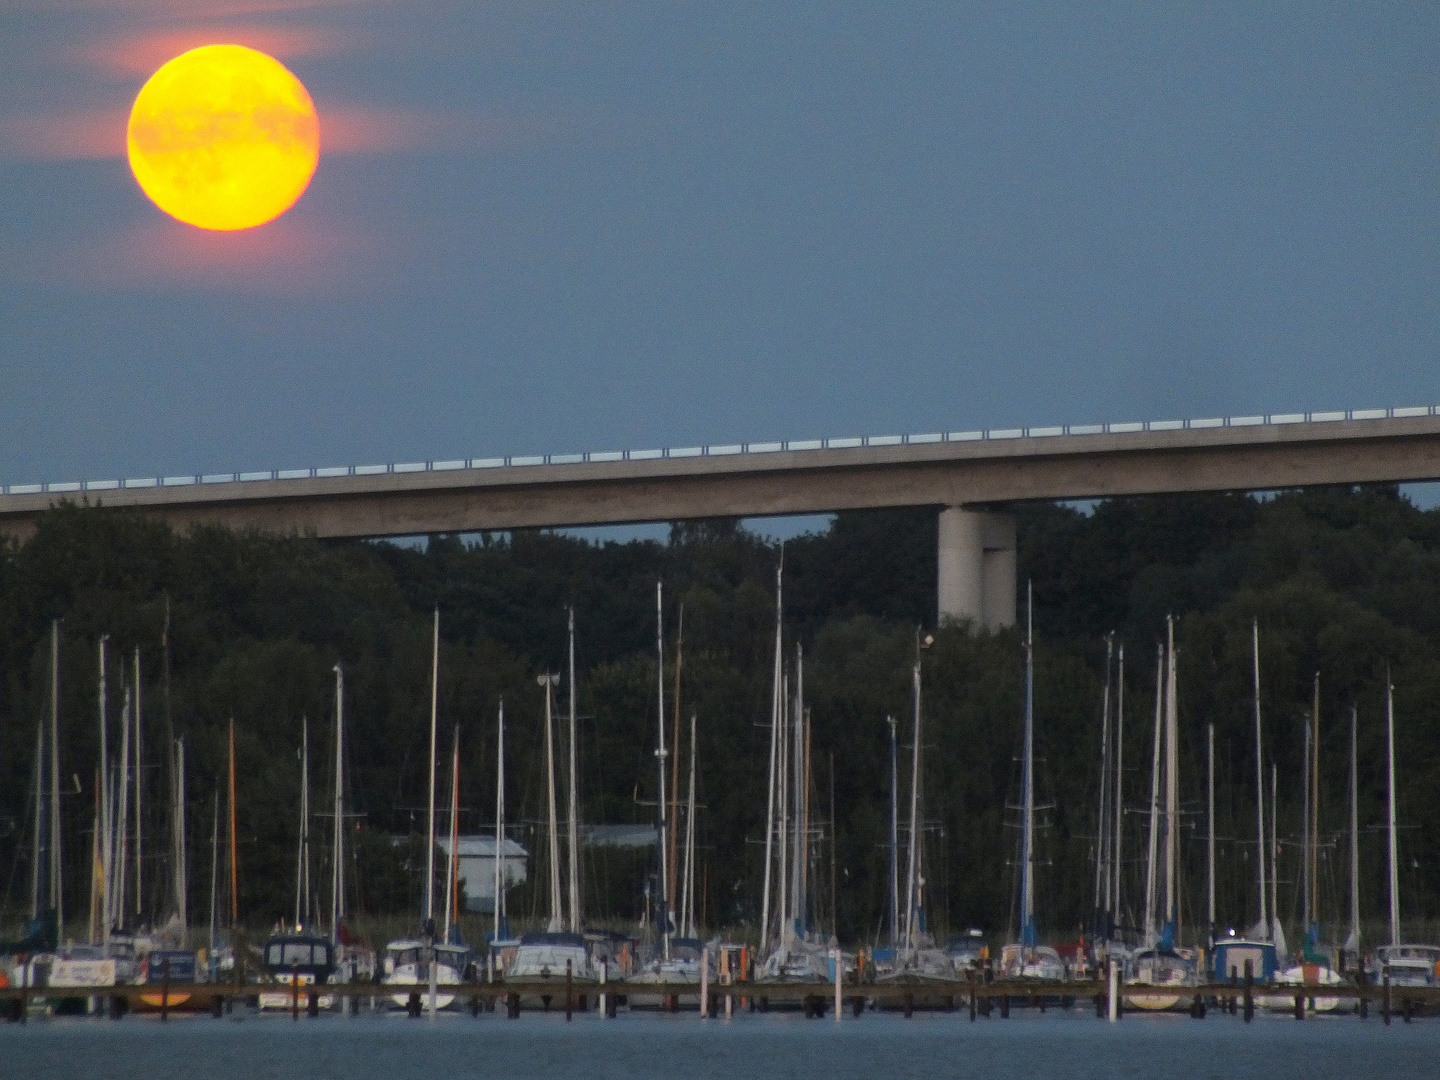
296	960
968	952
1170	972
1410	965
407	969
687	956
1031	962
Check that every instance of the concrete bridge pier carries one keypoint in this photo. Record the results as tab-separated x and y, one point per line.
977	567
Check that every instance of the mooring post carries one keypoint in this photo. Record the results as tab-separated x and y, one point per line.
165	989
1249	990
569	989
1299	1006
1360	981
1385	999
839	977
604	978
705	983
971	977
1004	1006
294	993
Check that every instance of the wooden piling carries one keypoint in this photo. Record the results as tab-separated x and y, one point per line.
1249	990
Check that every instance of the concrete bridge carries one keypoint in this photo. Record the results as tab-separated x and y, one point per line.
968	476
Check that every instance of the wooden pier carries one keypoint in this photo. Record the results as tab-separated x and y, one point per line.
977	998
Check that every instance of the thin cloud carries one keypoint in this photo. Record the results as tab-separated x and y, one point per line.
137	56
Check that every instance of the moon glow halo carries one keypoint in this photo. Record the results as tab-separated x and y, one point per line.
223	137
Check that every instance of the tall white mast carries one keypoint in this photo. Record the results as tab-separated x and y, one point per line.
122	815
774	740
214	866
107	840
786	927
499	821
56	879
302	854
575	918
557	919
1259	780
35	855
798	778
337	868
430	823
660	756
894	833
1352	944
1172	785
1119	773
1278	934
1027	861
139	791
687	904
1152	862
1102	818
912	868
1394	843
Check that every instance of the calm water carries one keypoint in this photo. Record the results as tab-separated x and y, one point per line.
888	1047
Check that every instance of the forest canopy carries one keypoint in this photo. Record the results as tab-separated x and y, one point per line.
1343	583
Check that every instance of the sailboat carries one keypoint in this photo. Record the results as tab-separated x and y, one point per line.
1315	967
1161	963
1233	952
428	962
354	958
791	951
1405	964
298	955
1027	958
917	961
561	946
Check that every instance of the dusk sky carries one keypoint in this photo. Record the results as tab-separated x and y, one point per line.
550	227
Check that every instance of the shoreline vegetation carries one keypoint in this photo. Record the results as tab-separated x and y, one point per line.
1344	581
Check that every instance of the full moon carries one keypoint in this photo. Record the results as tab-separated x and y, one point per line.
223	137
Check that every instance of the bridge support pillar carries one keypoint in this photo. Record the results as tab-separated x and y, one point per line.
977	567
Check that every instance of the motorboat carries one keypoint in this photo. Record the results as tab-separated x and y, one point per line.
1170	972
407	970
1409	965
293	964
177	969
968	952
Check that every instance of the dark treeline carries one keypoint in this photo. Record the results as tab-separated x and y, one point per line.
1343	582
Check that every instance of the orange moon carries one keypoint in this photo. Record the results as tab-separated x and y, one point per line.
223	137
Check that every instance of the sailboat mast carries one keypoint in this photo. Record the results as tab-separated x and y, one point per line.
1313	837
499	820
337	868
56	897
894	833
1259	779
1172	780
774	740
557	920
139	793
1210	838
430	819
106	838
574	839
1102	820
687	904
912	869
1151	863
664	919
121	861
670	885
1119	774
1353	944
1279	930
302	902
234	848
1394	843
798	891
1027	861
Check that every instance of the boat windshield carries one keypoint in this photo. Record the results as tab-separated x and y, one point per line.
401	957
284	954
